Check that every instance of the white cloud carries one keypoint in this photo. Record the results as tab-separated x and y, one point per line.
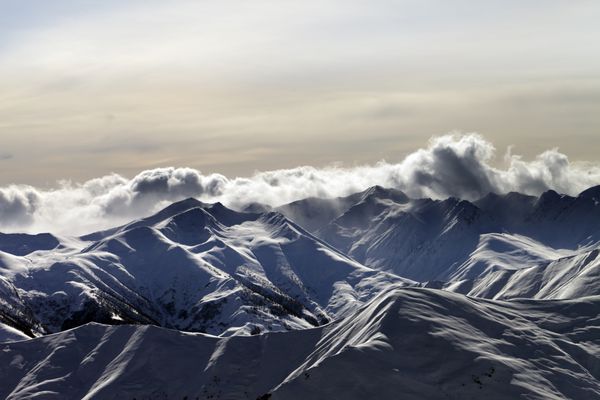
451	165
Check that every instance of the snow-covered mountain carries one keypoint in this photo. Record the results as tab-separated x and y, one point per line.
568	277
556	220
21	244
192	266
422	239
413	343
311	300
206	268
429	240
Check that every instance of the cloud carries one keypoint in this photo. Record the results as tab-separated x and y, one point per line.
458	165
18	205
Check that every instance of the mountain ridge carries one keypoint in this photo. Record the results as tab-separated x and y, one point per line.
196	267
373	227
391	344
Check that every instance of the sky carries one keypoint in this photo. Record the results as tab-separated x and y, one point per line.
453	165
89	88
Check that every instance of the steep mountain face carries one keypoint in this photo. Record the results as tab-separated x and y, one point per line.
504	251
204	267
421	239
569	277
418	342
556	220
434	345
316	315
193	267
443	240
314	213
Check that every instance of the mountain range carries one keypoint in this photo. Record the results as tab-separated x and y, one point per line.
364	296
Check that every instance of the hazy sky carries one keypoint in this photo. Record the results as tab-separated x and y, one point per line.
92	87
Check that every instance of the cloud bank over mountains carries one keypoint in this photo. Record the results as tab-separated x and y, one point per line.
458	165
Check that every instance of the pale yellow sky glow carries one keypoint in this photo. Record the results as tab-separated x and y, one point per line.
234	86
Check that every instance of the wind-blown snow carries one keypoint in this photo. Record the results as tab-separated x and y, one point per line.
451	165
302	317
425	239
192	266
568	277
417	343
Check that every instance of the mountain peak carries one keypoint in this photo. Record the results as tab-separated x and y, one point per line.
549	196
379	192
190	202
591	193
509	202
227	216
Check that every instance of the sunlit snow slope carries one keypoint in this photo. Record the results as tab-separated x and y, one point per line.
192	266
310	301
452	239
405	343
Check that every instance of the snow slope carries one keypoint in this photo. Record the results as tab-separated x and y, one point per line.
10	334
427	344
192	266
420	239
504	251
451	239
405	343
568	277
288	314
556	220
21	244
206	268
314	212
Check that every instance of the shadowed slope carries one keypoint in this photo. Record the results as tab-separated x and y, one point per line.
412	343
